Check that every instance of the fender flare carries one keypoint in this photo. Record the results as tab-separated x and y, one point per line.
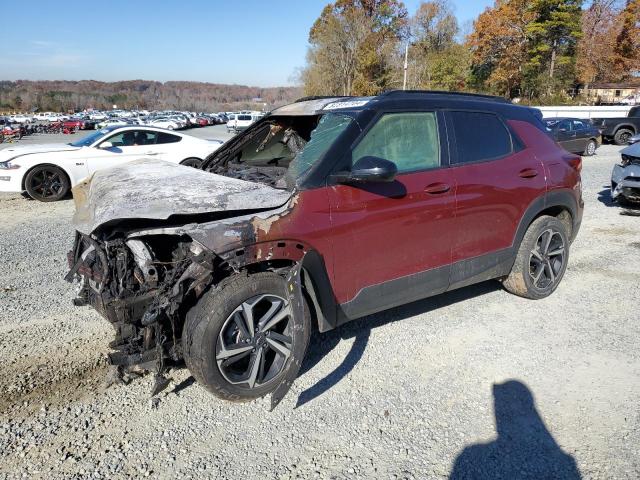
315	277
562	198
628	126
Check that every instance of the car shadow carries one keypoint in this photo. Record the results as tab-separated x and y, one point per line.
524	448
360	330
604	197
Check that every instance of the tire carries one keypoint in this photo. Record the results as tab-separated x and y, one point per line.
210	325
549	269
622	136
590	149
47	183
191	162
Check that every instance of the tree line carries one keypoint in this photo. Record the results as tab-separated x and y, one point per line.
63	96
542	50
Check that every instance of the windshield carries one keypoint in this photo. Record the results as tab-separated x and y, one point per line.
329	128
91	138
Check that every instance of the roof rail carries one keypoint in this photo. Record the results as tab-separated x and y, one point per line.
389	93
320	97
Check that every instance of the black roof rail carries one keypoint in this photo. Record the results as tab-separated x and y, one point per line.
479	96
320	97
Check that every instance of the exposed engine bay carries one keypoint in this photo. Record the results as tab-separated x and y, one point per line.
141	287
140	270
264	155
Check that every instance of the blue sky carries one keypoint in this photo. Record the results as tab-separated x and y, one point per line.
250	42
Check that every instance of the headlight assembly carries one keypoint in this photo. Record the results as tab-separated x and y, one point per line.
8	165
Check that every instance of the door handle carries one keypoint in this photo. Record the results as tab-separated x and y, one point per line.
528	173
152	153
437	188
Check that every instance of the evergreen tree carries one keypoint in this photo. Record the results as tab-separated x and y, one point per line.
553	35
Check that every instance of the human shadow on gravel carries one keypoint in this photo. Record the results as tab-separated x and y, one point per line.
360	330
524	448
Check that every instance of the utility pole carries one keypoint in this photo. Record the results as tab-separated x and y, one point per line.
406	55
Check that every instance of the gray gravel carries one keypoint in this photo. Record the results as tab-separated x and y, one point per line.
401	394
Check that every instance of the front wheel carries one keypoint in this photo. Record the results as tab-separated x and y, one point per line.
541	260
46	183
238	340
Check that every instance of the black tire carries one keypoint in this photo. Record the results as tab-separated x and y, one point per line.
191	162
622	136
590	148
47	183
209	322
533	261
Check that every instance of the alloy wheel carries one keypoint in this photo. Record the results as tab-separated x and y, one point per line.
255	341
47	183
547	259
591	148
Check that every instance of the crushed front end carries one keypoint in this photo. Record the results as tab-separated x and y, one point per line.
142	286
625	177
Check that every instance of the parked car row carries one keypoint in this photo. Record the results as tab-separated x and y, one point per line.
48	172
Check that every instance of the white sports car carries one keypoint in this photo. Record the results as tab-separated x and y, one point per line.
48	172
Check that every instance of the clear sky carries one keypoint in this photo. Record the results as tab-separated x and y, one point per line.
250	42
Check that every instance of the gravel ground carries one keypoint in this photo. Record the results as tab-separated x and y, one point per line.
439	388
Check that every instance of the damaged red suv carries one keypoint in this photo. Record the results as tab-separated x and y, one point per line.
326	210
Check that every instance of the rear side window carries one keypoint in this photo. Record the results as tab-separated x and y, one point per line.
410	140
480	137
167	138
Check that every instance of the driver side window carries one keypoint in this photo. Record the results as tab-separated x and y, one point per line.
410	140
132	138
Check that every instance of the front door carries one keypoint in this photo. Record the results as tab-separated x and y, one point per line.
392	241
125	147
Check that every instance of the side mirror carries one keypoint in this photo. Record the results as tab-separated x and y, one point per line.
106	145
372	169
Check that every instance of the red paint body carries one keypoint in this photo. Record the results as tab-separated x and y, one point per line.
368	235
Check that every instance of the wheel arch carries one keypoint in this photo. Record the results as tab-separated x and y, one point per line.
560	204
628	126
284	254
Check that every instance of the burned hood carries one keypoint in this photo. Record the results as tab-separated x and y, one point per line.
150	189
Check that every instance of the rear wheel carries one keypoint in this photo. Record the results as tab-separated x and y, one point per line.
590	149
238	339
46	183
541	260
622	136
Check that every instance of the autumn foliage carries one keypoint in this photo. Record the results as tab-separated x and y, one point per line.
516	48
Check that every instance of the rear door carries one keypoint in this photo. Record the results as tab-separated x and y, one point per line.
392	241
497	178
566	136
582	135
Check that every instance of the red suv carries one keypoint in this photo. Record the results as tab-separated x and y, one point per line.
326	210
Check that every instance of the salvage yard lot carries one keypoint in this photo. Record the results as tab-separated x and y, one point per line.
401	393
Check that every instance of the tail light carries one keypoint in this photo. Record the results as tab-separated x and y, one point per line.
575	161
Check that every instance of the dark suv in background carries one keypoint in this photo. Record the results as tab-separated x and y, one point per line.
326	210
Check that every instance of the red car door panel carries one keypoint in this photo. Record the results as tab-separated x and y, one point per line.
382	232
491	198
